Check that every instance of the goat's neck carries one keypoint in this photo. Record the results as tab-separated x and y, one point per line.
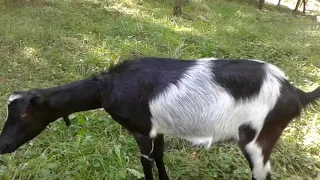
74	97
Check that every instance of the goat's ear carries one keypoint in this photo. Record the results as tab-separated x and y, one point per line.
37	100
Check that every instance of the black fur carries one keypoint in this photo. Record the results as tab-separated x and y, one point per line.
242	78
134	84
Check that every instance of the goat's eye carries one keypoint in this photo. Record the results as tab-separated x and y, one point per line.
23	115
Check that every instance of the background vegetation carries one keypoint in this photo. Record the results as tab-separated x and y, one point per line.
50	42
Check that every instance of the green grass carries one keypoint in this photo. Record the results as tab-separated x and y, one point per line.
52	42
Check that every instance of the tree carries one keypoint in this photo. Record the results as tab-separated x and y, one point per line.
261	3
279	3
177	8
304	2
297	6
304	6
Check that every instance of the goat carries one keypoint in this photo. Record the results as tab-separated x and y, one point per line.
204	101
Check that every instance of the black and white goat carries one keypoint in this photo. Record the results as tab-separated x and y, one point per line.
203	101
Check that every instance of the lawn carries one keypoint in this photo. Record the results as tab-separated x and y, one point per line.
51	42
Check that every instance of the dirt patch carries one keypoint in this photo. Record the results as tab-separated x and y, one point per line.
3	80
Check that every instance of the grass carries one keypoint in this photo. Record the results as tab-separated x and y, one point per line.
51	42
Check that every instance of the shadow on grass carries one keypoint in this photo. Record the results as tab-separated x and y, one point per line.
281	9
225	160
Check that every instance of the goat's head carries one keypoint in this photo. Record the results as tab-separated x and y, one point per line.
28	114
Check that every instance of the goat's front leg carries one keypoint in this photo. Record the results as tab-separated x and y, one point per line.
146	146
158	155
151	150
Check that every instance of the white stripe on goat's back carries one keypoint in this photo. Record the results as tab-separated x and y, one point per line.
275	71
272	69
272	84
198	109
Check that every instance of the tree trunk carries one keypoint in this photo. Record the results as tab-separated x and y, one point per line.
261	3
279	3
304	6
177	8
297	6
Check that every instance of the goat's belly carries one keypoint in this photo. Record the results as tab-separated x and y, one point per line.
201	129
198	136
208	124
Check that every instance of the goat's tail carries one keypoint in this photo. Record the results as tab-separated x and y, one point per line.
308	98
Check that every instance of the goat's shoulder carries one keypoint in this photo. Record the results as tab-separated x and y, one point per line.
141	79
150	74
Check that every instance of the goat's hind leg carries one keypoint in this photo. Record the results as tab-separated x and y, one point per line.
254	153
257	148
152	150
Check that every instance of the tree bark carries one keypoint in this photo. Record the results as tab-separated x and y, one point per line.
279	3
261	3
297	6
177	8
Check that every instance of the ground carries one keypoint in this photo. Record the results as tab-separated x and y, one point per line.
50	42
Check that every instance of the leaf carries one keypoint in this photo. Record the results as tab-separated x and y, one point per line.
72	116
97	164
135	173
53	165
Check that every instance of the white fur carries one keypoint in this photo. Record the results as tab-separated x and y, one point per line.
10	99
260	170
208	59
152	147
201	111
151	151
272	69
146	157
7	113
275	71
13	97
201	141
153	133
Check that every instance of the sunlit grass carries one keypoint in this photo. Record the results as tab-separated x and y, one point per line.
55	42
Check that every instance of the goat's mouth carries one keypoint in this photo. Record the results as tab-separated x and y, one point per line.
7	148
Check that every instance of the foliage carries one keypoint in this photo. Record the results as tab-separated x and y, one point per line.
50	42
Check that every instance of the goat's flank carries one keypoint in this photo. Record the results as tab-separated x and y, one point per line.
203	101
